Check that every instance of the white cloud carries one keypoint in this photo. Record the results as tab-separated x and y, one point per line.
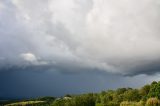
29	57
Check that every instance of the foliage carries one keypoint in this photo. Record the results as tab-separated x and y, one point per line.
99	104
154	90
126	103
85	100
132	95
148	95
141	103
153	102
144	92
82	100
27	103
47	98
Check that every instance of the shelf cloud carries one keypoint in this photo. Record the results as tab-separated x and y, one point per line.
120	37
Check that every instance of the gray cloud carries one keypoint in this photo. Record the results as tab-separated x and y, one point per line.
119	37
27	84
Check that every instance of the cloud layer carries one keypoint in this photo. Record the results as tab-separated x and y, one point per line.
77	35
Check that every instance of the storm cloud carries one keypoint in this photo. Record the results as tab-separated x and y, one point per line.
115	36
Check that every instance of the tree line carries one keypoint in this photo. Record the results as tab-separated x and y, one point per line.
148	95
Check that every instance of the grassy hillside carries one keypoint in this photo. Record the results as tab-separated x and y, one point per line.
26	103
148	95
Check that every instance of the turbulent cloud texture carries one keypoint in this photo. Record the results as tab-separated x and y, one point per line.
117	36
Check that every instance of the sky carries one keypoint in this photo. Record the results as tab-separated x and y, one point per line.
58	47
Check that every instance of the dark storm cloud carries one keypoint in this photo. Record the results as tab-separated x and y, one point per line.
120	37
26	84
149	69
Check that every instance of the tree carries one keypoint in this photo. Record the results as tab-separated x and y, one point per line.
120	91
59	102
132	95
85	100
154	82
144	92
154	90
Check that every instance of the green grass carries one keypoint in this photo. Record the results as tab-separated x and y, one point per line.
24	103
99	104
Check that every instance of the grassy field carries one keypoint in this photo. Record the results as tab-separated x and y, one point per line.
26	103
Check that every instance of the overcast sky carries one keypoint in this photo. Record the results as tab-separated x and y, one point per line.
54	47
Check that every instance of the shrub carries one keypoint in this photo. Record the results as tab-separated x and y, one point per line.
99	104
126	103
141	103
153	102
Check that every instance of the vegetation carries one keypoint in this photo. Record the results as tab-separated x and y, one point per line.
153	102
26	103
148	95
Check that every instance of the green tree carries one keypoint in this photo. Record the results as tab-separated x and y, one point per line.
85	100
154	90
132	95
154	82
120	91
59	102
144	92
